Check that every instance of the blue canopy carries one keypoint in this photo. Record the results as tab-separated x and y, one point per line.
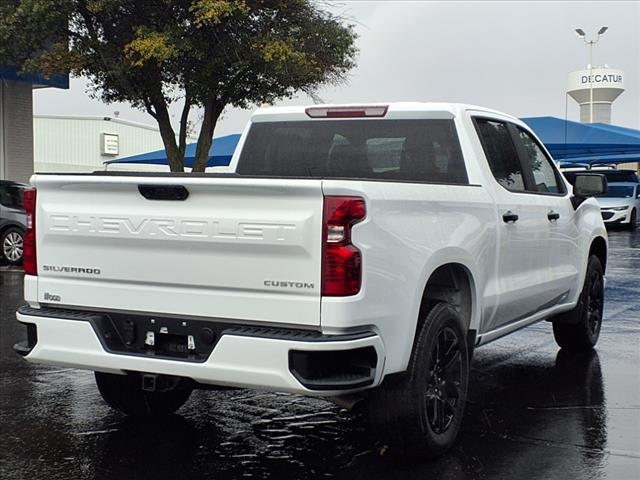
220	154
576	142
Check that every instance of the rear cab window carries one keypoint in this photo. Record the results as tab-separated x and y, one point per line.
425	151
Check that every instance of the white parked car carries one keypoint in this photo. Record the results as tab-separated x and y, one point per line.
621	204
356	250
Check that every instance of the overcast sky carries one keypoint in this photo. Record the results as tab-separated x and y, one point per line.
511	56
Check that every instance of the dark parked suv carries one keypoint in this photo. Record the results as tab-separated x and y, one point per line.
13	221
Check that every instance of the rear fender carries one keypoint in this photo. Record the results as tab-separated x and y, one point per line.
459	257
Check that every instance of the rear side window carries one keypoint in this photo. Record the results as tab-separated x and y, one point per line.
11	196
404	150
501	153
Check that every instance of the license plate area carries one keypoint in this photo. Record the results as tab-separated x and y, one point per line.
157	336
171	344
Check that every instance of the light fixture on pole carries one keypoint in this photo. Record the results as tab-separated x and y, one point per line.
591	43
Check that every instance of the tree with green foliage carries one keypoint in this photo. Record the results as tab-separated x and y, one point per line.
205	53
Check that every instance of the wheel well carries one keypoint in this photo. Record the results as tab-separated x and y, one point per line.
449	283
7	226
599	249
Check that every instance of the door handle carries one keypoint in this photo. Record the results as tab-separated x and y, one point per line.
163	192
510	217
552	216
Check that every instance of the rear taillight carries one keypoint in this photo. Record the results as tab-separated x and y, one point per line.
29	261
341	260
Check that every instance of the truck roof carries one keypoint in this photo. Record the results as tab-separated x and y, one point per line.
395	110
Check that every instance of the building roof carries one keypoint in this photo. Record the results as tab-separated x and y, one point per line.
37	80
100	119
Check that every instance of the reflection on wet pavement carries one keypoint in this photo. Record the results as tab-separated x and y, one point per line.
533	412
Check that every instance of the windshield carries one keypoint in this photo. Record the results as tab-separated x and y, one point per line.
619	191
401	150
621	176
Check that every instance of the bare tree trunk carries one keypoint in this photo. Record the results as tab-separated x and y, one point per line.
212	111
174	154
184	123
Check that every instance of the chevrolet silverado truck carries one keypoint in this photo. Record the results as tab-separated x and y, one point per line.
349	250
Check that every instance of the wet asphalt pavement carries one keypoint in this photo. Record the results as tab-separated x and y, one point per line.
533	413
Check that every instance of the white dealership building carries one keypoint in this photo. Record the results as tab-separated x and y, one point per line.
83	143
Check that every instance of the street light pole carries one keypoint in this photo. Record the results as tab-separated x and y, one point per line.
591	81
591	43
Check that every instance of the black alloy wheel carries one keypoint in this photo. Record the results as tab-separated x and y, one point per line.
579	329
445	380
418	413
595	302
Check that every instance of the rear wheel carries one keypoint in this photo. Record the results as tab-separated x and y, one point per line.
125	393
420	414
579	329
12	242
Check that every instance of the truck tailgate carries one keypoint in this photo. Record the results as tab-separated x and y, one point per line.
237	248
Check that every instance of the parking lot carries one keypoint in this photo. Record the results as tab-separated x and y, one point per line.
533	412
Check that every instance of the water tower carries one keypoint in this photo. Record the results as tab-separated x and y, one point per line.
595	88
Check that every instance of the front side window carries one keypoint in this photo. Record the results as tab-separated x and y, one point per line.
403	150
544	176
501	153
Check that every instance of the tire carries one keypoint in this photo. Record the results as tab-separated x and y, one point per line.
633	221
419	414
12	244
579	329
124	393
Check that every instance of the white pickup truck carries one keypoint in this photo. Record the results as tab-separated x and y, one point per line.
351	250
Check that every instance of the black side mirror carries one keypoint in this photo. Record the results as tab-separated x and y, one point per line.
587	185
590	185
